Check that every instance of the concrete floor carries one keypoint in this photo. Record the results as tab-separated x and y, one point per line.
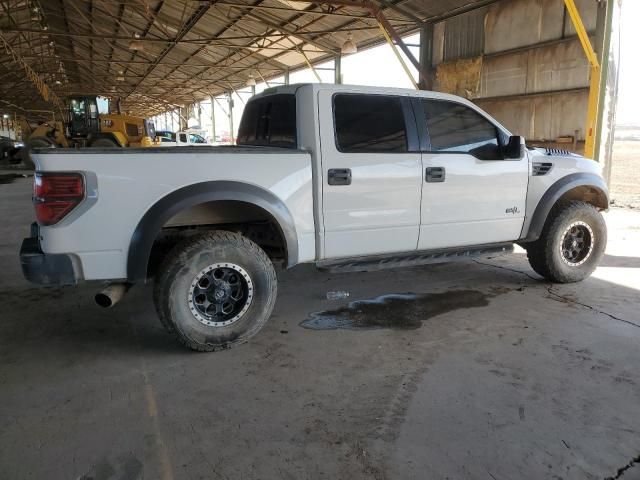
514	378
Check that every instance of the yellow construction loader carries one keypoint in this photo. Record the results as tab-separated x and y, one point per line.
86	127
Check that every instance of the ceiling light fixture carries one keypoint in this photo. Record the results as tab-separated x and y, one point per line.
136	44
252	81
349	46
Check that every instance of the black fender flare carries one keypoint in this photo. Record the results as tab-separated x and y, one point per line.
157	215
554	193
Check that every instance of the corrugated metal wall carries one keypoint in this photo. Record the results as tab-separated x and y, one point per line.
534	76
464	35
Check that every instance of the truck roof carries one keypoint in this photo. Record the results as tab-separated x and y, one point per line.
337	88
292	88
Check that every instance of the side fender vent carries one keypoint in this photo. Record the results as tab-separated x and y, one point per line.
541	168
556	152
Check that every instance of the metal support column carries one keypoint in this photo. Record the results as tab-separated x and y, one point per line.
230	100
604	25
594	81
425	81
337	66
286	77
213	118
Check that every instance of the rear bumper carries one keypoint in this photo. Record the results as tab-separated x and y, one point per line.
45	269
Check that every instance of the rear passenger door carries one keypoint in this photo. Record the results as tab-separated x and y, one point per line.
471	195
372	172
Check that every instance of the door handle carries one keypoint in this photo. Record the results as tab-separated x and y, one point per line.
434	174
339	176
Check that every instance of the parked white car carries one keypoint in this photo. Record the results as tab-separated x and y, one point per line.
346	177
181	139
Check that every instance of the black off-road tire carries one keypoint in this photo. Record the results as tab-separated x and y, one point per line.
174	298
104	142
546	254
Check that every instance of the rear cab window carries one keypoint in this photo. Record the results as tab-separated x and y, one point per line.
269	121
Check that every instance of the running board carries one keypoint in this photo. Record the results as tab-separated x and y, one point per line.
409	259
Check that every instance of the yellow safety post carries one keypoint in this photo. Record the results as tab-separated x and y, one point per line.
594	82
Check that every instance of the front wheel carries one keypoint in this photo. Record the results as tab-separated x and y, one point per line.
215	290
571	244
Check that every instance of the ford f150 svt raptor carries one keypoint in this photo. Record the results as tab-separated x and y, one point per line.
346	177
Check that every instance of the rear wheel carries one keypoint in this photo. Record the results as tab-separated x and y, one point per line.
215	290
571	244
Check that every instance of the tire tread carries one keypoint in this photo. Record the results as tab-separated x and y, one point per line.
540	252
179	255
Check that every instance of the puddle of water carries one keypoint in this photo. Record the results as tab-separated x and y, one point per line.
401	311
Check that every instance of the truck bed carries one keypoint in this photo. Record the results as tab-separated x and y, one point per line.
123	184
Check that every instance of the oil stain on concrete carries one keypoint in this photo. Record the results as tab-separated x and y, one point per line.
402	311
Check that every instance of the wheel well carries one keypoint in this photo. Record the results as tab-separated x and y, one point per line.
586	193
248	219
104	136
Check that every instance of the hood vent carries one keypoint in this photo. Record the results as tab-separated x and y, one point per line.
556	152
541	168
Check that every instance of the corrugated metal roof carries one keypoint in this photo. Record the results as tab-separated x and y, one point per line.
189	49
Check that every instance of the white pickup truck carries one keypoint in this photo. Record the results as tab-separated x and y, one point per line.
346	177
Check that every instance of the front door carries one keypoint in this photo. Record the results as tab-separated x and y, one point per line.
372	171
471	195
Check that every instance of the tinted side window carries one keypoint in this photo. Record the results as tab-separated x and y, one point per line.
183	137
131	129
269	121
454	127
196	138
369	123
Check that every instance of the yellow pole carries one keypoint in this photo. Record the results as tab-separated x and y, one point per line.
594	82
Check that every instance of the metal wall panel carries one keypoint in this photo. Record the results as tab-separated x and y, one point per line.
518	23
588	11
464	35
544	117
560	66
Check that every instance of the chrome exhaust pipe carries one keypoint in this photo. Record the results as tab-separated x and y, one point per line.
111	294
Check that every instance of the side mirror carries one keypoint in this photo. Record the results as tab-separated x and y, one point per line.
514	147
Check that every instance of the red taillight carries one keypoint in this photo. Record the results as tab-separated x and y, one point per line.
55	195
